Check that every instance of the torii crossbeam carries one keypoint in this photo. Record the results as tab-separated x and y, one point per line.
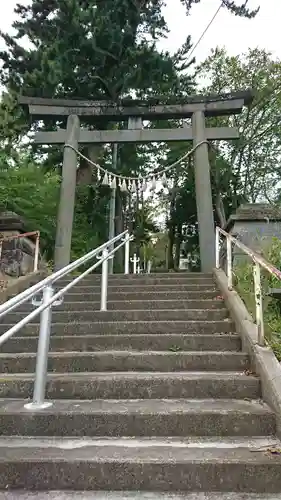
194	107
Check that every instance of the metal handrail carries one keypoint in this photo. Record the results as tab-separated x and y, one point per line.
50	298
35	289
24	235
259	262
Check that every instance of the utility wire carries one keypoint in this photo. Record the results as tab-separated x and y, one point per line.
204	32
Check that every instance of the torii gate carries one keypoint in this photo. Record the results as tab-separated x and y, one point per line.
196	108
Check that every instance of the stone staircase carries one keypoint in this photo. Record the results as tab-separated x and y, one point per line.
153	395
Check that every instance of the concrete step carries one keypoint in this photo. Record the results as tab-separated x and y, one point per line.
132	495
139	418
156	342
126	315
147	288
141	464
146	278
180	274
132	385
121	361
128	327
131	294
143	280
121	305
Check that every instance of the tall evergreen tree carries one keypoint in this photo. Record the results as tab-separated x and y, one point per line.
88	48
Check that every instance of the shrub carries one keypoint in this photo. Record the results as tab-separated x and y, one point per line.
244	284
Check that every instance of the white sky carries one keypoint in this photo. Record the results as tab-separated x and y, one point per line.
236	34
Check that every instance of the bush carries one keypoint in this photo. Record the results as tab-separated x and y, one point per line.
244	284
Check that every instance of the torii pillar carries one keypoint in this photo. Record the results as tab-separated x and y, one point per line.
67	195
204	203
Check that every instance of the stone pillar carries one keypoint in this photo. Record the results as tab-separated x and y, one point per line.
204	203
67	195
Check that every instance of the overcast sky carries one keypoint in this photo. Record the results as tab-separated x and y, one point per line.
236	34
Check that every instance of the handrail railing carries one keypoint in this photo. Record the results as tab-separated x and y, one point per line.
24	235
51	298
259	262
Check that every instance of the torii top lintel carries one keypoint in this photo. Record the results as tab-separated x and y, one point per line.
211	105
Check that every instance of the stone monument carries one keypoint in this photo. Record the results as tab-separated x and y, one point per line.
17	254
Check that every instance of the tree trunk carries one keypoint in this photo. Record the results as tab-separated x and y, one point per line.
171	264
178	246
119	228
172	227
220	210
86	172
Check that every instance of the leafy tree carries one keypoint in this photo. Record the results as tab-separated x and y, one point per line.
27	190
247	169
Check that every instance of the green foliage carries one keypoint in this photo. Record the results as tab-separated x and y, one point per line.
244	170
33	194
88	49
247	168
238	10
244	285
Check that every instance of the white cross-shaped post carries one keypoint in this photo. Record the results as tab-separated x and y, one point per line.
135	260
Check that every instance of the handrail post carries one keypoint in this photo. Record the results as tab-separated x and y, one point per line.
104	280
229	262
127	254
258	303
217	248
39	402
36	253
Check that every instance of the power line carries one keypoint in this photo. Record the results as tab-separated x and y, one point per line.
205	31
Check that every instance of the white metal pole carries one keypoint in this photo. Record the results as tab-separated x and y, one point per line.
127	254
104	280
217	248
258	302
229	262
36	253
39	402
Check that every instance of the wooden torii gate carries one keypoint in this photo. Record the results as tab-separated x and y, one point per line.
196	108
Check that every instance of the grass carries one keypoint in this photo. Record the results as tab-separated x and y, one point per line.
244	285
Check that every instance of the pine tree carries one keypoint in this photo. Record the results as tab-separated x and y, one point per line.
89	48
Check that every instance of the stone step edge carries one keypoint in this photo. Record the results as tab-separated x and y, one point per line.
136	335
124	353
133	310
157	322
133	495
140	406
136	301
138	451
129	375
